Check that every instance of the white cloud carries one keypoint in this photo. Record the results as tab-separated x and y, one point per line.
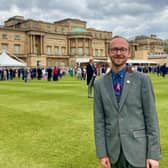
123	17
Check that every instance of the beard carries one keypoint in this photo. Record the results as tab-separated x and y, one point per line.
118	62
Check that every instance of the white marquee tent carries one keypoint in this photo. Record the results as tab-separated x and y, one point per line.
6	60
129	61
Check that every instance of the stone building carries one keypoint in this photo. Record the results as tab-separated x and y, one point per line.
148	48
44	44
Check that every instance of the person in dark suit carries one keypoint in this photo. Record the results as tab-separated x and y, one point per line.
125	118
91	75
49	74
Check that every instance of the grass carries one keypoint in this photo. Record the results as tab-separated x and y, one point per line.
50	124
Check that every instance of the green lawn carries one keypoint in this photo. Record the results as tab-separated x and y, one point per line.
50	124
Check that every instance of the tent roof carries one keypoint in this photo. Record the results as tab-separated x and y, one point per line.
6	60
129	61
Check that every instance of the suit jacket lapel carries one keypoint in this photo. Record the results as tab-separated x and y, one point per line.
127	85
109	84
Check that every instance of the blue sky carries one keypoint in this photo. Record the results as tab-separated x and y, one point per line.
123	17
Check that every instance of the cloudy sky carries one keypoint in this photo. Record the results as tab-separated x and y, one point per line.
123	17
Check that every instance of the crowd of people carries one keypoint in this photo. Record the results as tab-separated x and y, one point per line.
32	73
80	72
160	70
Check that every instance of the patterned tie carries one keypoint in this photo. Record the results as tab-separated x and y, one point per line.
117	86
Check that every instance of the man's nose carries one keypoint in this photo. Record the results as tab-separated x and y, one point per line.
118	52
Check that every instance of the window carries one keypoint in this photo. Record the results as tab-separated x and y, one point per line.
87	51
56	51
49	50
17	37
101	52
96	51
80	51
62	30
48	28
63	51
4	36
56	29
4	47
73	51
38	63
17	49
49	63
36	49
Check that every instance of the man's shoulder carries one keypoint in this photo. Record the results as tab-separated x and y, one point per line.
141	76
102	79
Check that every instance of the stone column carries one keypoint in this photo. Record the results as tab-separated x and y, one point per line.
69	47
90	48
41	44
31	44
84	47
106	48
76	45
34	43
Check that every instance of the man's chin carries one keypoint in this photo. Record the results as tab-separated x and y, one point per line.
119	64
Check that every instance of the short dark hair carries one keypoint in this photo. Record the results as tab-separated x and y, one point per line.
90	60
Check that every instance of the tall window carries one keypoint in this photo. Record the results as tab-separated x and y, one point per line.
62	30
56	51
49	50
48	28
4	47
80	51
49	63
36	49
87	51
4	36
17	49
101	52
17	37
73	51
63	51
96	52
56	29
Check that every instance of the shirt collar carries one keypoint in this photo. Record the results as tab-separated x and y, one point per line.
121	73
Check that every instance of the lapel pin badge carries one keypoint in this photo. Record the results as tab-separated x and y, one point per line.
128	81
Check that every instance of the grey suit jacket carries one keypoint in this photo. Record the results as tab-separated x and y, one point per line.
132	124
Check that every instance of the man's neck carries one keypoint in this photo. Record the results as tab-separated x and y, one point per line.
118	68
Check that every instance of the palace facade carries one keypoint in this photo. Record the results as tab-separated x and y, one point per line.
69	41
44	44
149	48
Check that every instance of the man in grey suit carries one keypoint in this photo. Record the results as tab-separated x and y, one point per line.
125	119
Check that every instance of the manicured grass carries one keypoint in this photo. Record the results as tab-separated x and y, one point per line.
50	124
